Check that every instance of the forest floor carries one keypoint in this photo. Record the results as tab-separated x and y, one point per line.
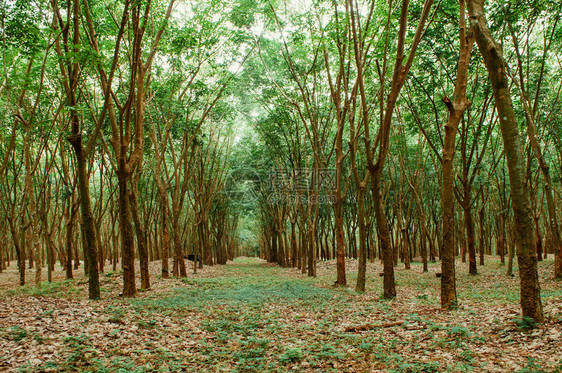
251	316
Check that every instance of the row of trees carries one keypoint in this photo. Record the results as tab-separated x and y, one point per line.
368	105
125	135
115	137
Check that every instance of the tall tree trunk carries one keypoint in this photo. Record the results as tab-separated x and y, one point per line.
424	252
304	243
294	243
141	237
34	223
524	231
482	234
470	239
280	247
362	266
71	214
19	251
273	254
539	238
456	110
389	288
510	254
338	218
49	253
405	246
178	268
2	259
382	144
88	223
530	111
126	229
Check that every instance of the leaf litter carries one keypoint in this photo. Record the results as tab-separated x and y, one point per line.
252	316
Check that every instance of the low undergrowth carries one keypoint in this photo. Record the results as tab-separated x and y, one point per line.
252	317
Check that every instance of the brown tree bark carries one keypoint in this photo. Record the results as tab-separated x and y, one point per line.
539	238
338	219
141	236
483	232
362	263
71	72
382	143
456	111
127	134
470	238
530	111
389	287
127	241
18	248
70	219
163	199
524	231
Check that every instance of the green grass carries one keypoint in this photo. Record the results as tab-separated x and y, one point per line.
62	289
252	290
250	317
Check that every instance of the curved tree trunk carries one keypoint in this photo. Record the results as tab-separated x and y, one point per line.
524	231
456	110
88	222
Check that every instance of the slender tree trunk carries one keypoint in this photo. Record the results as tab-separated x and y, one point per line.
49	252
501	248
293	244
471	242
405	247
69	241
280	248
510	255
273	254
424	253
539	238
33	235
19	251
115	251
389	288
524	231
312	249
165	238
88	222
462	237
141	237
456	111
482	234
501	238
126	230
338	217
362	266
304	244
544	168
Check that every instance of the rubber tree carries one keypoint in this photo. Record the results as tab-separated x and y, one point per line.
456	109
530	107
523	222
127	123
381	144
